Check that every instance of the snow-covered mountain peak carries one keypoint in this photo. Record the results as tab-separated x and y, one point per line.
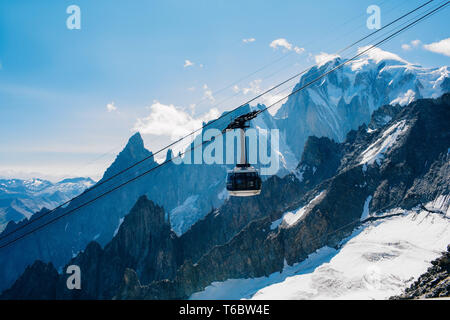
378	55
327	59
343	100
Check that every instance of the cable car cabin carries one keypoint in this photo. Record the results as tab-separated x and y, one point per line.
243	181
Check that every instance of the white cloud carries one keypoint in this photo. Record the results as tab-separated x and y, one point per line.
411	45
207	93
415	43
406	47
324	57
442	47
283	43
248	40
299	50
188	63
269	100
111	107
254	87
171	121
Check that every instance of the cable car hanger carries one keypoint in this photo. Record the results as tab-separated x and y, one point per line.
243	180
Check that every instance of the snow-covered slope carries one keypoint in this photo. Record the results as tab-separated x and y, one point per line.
377	261
20	199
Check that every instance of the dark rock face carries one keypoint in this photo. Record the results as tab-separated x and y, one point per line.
144	242
435	283
130	287
43	278
320	160
421	159
145	260
383	115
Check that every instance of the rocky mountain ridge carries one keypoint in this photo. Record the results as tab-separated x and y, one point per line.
435	283
404	163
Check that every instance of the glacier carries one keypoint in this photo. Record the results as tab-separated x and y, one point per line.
378	260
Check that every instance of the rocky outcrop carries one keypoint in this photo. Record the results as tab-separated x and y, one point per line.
383	115
144	242
320	160
39	282
435	283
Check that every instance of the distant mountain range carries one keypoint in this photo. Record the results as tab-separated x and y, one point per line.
371	91
20	199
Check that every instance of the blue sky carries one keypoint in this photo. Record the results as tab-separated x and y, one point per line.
70	99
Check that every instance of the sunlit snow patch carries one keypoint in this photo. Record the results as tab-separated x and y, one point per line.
185	215
440	204
118	226
375	152
291	218
404	99
365	213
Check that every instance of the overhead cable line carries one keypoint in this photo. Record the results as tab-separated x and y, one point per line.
101	182
207	141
